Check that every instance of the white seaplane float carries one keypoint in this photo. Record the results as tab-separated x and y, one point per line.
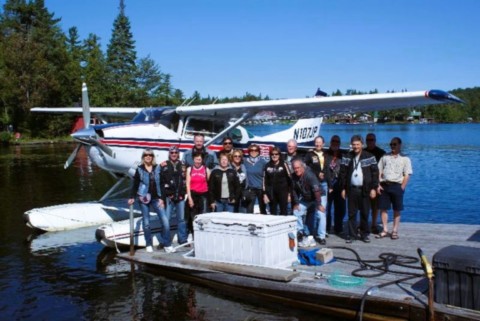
117	147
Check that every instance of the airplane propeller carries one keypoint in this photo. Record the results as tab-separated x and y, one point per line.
87	136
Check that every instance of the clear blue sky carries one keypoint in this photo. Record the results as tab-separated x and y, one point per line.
288	48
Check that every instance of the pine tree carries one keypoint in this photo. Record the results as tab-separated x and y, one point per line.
95	71
74	68
121	57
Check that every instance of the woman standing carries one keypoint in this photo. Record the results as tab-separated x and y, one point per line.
146	187
237	165
223	186
197	187
255	165
277	183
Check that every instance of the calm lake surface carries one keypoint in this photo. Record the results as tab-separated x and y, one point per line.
69	276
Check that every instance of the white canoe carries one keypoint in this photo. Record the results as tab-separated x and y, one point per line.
76	215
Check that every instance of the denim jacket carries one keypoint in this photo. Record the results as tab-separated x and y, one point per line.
141	181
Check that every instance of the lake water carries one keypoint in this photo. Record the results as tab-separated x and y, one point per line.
69	276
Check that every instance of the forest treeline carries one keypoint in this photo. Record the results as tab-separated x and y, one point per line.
41	65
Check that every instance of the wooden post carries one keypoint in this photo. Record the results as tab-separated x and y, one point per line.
132	245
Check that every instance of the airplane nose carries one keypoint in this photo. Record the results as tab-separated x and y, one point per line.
83	134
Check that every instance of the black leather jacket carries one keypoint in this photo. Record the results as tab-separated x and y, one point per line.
369	166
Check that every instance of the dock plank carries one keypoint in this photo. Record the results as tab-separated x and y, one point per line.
406	300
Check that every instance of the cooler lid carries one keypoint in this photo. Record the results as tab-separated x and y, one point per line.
259	220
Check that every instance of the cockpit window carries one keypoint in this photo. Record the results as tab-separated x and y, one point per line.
163	115
207	127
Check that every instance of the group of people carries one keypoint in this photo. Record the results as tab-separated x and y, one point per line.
315	187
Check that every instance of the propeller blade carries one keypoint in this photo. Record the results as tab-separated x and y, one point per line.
72	157
107	150
85	106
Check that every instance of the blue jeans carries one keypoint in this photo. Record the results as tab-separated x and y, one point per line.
222	205
320	218
162	216
301	214
180	210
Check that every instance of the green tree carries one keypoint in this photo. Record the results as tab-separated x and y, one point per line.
34	59
73	67
121	57
94	71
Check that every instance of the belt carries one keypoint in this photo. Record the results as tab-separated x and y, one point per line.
389	183
357	187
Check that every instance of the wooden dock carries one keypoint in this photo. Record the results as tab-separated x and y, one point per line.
313	287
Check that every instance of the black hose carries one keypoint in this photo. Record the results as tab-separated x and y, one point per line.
381	266
368	292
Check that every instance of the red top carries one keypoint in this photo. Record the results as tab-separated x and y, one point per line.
198	179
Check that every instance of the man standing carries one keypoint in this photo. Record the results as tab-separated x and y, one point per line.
209	158
333	161
307	201
227	149
174	190
315	159
376	151
395	170
359	181
292	155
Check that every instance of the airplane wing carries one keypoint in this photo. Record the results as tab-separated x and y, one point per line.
323	105
113	111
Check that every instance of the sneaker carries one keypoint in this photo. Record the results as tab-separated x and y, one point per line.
169	249
311	241
149	249
304	242
323	242
190	238
348	240
366	239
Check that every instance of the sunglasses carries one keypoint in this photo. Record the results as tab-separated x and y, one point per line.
146	155
237	156
393	144
228	143
173	152
275	154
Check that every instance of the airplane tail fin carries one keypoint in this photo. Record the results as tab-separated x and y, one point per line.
303	131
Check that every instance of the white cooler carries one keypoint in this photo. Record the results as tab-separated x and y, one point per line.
246	239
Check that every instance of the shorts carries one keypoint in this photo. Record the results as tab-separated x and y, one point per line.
392	195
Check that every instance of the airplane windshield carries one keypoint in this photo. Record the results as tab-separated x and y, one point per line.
164	116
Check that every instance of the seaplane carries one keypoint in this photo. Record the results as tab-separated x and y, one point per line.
117	147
